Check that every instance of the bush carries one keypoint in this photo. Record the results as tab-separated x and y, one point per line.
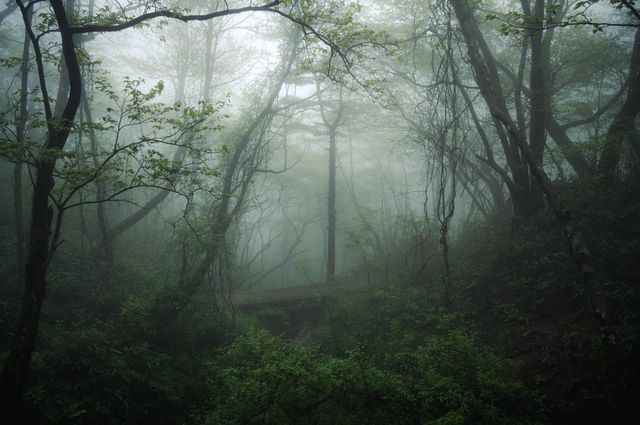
449	379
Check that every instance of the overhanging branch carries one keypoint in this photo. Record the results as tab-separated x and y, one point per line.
172	14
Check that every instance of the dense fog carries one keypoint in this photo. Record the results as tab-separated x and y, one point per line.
319	212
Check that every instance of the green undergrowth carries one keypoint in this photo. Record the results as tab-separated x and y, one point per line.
517	344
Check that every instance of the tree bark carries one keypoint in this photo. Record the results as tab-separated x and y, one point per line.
526	198
38	256
332	125
624	121
493	184
331	207
568	148
20	138
537	89
577	247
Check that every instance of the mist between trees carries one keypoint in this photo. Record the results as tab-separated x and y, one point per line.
296	211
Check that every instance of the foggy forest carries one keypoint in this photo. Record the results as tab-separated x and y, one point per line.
319	212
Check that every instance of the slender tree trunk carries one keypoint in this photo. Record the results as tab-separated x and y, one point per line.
38	257
538	92
17	362
332	125
18	208
446	208
331	206
105	241
152	203
17	169
211	47
378	246
489	161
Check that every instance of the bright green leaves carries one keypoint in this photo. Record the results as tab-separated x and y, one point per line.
46	22
447	379
14	151
581	13
510	23
106	15
340	42
136	140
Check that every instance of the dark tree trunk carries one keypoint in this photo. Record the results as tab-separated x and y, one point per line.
525	196
537	85
577	247
17	169
624	121
18	209
538	93
568	148
17	362
493	184
38	257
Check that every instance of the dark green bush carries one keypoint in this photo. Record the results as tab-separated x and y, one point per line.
446	379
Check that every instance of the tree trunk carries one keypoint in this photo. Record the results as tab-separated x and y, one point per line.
568	148
538	91
18	206
211	48
331	206
577	247
18	209
23	342
537	85
38	257
624	121
489	161
105	241
526	198
332	125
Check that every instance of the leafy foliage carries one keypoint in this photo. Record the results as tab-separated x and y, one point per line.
445	380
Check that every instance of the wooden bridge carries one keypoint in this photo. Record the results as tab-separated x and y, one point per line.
293	311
